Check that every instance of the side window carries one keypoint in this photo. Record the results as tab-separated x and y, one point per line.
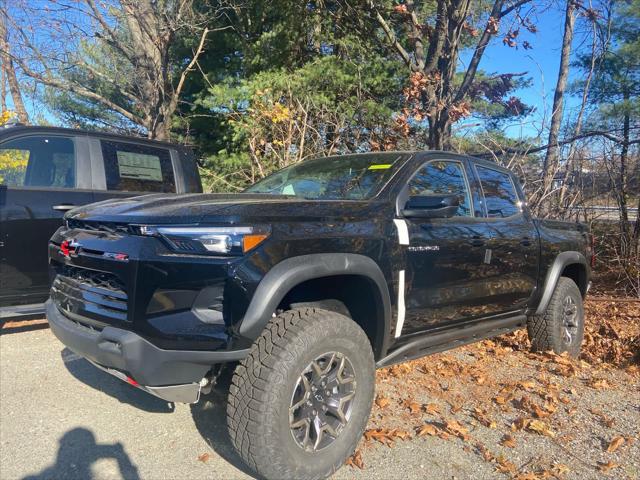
38	161
137	168
499	193
443	178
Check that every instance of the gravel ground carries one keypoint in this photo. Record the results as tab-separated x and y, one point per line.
61	418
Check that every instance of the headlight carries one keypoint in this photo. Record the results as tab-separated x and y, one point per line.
211	240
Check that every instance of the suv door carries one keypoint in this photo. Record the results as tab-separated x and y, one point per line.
444	256
40	180
512	242
125	169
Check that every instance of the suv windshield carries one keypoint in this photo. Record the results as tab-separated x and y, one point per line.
348	177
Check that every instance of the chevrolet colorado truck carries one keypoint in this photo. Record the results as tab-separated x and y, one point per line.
307	282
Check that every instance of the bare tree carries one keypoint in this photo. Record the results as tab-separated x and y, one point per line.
117	54
9	73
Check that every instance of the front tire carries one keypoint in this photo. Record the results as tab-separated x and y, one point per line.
300	401
561	327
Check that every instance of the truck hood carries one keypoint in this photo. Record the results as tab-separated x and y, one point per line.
216	208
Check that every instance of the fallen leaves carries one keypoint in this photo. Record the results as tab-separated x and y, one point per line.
508	441
386	436
382	402
453	395
204	458
355	460
605	467
533	425
615	444
456	429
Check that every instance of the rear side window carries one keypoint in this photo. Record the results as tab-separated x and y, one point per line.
38	161
499	193
137	168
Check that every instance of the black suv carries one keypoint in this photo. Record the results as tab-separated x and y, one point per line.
46	171
311	279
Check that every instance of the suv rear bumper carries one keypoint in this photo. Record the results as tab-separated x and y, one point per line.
129	356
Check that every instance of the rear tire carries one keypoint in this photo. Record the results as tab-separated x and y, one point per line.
561	327
278	390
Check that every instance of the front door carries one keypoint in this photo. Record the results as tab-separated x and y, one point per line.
39	176
445	256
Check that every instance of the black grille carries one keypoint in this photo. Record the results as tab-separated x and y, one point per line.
84	293
108	227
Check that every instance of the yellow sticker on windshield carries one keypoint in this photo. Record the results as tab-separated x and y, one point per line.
380	166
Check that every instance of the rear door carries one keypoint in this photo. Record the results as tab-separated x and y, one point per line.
41	179
511	242
124	169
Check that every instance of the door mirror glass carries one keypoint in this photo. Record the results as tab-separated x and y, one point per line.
431	206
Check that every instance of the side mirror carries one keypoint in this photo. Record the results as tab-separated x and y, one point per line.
431	206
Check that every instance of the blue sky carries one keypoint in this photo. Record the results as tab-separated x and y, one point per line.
541	63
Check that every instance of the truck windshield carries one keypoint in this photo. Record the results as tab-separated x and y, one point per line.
348	177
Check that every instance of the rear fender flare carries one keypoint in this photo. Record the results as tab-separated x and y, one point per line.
290	272
553	274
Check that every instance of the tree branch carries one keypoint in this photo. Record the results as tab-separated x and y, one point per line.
391	36
589	134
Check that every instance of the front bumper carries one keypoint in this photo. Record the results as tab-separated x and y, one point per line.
173	375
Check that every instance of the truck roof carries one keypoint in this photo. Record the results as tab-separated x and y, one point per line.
12	129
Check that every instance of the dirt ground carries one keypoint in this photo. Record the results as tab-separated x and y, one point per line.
523	415
487	411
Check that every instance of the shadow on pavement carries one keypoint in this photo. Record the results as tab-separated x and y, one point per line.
78	450
210	418
116	388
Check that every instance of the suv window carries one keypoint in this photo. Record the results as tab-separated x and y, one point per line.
38	161
442	177
499	193
137	168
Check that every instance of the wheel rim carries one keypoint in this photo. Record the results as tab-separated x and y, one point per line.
569	320
322	401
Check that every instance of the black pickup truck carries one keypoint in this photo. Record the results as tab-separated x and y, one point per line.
308	281
46	171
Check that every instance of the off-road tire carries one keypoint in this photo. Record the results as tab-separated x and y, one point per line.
262	387
547	330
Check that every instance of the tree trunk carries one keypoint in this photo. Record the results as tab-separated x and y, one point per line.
625	230
550	165
10	74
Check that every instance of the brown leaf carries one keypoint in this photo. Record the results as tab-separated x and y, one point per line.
455	428
559	469
204	458
355	460
538	426
382	402
505	466
605	467
616	443
500	400
599	384
508	441
432	408
386	436
427	429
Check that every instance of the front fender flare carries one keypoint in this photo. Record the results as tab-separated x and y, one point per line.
553	274
295	270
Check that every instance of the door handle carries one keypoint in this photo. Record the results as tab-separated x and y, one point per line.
525	242
63	207
477	241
